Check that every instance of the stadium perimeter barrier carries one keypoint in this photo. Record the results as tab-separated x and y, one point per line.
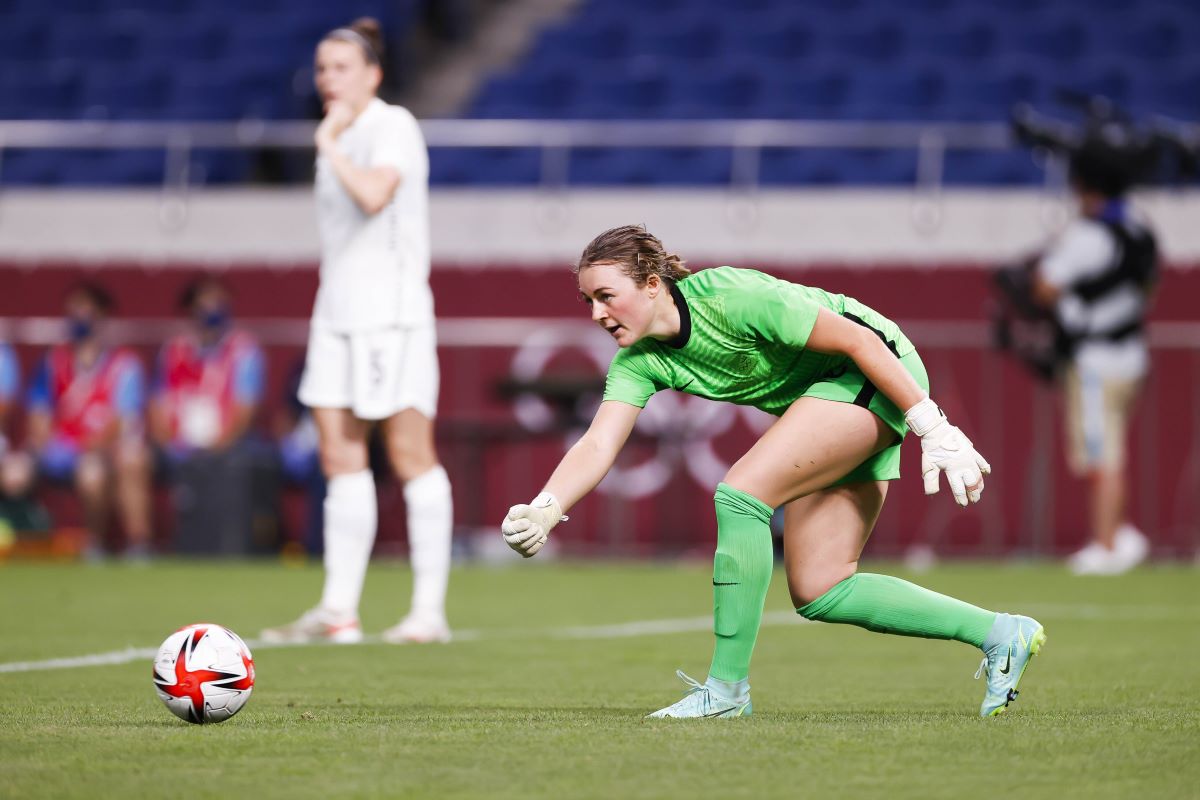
516	389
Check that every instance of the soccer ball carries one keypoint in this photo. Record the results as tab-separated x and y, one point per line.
204	673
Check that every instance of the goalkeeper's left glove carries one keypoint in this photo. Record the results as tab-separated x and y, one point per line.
527	527
944	448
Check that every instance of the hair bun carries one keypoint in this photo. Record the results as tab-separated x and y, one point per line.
370	30
367	26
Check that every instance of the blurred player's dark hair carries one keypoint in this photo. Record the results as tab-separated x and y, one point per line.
95	294
1096	166
191	292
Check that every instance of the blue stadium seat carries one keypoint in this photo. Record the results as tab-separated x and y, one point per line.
279	47
1175	94
992	94
1057	42
168	42
999	168
92	39
34	90
781	44
826	167
536	96
205	96
499	166
208	167
114	167
897	94
875	41
682	43
806	94
649	166
24	40
571	45
1150	41
121	93
30	168
634	94
733	93
953	44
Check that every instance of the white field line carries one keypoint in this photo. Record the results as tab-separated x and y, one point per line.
655	627
625	630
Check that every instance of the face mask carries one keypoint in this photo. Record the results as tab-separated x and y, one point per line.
79	328
216	318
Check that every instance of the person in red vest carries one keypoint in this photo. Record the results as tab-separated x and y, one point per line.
209	380
207	390
84	410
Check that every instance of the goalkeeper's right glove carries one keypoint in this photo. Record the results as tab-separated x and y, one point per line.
944	448
527	527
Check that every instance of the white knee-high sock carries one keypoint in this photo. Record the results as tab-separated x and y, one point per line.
430	511
351	515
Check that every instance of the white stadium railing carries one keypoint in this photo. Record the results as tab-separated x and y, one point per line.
745	138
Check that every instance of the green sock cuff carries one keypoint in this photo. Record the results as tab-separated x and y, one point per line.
743	503
822	605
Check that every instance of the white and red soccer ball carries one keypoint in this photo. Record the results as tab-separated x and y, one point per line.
204	673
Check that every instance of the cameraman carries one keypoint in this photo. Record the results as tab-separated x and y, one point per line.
1097	278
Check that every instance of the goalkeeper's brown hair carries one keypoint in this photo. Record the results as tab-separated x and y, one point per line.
638	252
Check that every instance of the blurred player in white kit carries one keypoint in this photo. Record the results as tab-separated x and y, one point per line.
372	350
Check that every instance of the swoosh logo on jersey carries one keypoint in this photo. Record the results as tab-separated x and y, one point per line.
689	383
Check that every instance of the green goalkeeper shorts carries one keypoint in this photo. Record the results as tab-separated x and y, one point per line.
849	385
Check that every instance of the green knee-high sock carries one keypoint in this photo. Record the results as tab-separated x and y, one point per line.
885	604
741	574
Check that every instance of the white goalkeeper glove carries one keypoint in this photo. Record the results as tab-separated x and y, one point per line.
527	527
944	448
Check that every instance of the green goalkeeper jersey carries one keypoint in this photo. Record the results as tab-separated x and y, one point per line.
742	339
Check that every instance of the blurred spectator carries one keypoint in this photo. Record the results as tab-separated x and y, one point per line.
300	460
85	409
10	385
208	387
1098	277
19	511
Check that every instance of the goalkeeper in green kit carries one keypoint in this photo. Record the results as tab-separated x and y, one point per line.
846	385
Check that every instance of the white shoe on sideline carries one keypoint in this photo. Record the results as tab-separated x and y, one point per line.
418	629
920	558
317	625
1130	548
1088	560
1131	545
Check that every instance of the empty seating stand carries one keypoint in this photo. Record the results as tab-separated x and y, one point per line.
877	60
161	60
921	60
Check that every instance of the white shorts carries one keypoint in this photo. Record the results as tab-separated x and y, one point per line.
375	374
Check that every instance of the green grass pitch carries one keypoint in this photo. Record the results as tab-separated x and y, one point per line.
543	693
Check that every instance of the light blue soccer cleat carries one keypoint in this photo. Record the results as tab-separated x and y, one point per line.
1012	642
701	701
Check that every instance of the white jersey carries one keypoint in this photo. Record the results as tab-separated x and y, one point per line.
1085	250
375	269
